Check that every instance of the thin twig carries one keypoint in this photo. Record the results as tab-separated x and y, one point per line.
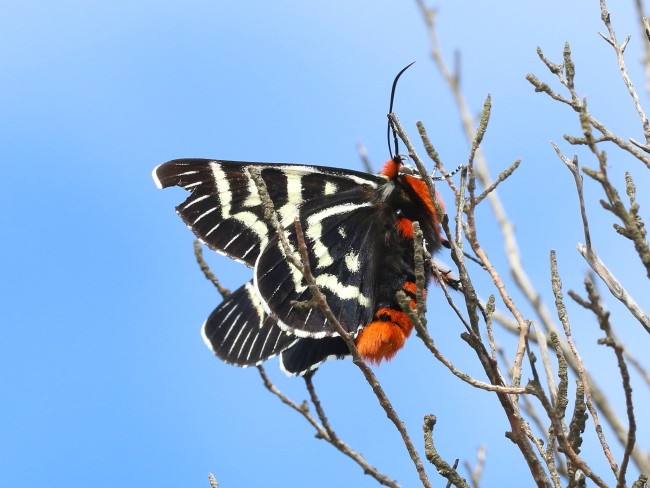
562	438
598	396
476	473
520	429
590	255
207	272
644	29
324	430
580	105
334	439
615	286
213	481
593	303
365	160
444	469
428	341
302	409
620	50
548	367
556	284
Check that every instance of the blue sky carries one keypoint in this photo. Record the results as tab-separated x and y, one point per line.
105	379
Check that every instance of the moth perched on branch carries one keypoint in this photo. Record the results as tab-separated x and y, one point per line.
358	230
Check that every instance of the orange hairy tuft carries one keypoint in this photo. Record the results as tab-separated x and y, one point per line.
422	191
405	227
391	168
412	289
381	339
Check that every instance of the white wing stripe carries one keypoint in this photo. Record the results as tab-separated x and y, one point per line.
315	230
208	212
192	201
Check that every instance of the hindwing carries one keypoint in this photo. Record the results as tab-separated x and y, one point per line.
308	354
224	209
240	332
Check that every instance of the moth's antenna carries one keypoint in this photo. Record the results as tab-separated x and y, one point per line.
390	111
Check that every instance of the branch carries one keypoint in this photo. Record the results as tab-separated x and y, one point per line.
324	430
565	73
338	443
476	472
213	481
614	286
593	303
556	284
444	469
207	272
620	50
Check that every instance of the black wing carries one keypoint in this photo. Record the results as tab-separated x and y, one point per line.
307	354
240	332
224	209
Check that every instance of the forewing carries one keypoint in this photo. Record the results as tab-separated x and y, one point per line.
240	332
224	209
343	247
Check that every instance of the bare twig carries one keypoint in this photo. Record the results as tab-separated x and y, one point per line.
593	303
302	409
365	160
324	430
598	396
207	272
431	345
620	50
614	286
636	364
644	31
564	319
548	367
502	177
548	453
590	255
520	429
334	439
566	446
565	75
572	166
476	473
213	481
444	469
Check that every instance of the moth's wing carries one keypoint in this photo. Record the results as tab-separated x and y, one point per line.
240	332
344	247
307	354
224	209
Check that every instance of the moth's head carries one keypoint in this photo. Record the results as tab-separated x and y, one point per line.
397	166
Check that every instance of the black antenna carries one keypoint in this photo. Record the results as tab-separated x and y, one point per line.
390	111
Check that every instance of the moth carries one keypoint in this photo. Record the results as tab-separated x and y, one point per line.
358	231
